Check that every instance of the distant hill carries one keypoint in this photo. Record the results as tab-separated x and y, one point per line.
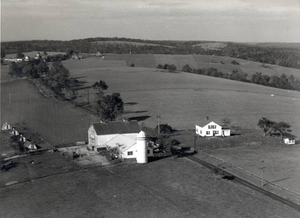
212	45
283	54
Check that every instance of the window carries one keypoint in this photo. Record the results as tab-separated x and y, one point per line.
212	126
148	151
216	132
207	132
130	153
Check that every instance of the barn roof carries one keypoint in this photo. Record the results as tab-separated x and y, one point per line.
116	127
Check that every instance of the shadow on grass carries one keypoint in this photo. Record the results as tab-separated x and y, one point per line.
130	103
138	118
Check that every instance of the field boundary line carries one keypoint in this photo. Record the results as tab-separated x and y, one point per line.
250	177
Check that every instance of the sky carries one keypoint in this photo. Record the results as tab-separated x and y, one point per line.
216	20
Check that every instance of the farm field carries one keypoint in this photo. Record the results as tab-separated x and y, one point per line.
184	99
57	122
32	54
221	63
285	172
128	43
131	190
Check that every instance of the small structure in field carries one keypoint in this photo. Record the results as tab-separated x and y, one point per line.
30	146
125	137
289	141
212	129
6	126
14	132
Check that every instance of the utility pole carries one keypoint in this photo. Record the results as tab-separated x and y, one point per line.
158	125
262	173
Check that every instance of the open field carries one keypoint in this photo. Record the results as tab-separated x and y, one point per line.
128	43
165	188
32	54
221	63
212	45
281	162
56	121
184	99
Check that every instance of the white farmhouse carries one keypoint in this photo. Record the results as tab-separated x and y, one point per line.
127	136
212	129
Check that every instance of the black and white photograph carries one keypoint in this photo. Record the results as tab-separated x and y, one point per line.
150	109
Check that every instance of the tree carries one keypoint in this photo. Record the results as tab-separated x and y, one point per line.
100	86
226	121
282	128
58	77
164	128
20	55
109	107
266	125
187	68
15	70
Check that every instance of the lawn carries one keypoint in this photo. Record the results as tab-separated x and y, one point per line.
165	188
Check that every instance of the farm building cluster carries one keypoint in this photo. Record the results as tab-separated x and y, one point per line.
125	136
13	132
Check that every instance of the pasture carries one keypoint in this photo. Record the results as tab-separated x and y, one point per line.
281	162
57	122
127	43
32	54
212	45
184	99
165	188
221	63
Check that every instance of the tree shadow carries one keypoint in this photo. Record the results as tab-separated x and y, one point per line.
130	103
139	118
134	112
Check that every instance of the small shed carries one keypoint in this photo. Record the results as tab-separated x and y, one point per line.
289	141
30	146
6	126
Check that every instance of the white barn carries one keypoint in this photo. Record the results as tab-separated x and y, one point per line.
127	136
212	129
101	133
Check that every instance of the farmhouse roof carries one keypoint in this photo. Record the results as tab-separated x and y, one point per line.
116	127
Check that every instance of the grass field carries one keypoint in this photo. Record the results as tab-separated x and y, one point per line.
165	188
221	63
128	43
57	122
212	45
32	54
184	100
285	172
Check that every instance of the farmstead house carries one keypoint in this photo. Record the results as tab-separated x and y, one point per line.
126	136
212	129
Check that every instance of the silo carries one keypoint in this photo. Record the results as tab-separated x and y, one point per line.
141	148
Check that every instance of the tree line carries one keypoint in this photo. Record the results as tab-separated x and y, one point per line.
282	82
287	57
58	80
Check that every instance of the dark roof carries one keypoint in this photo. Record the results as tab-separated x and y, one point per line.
116	127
